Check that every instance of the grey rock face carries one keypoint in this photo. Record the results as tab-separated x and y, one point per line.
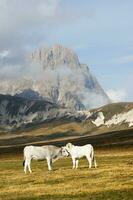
55	56
17	112
29	94
69	82
62	80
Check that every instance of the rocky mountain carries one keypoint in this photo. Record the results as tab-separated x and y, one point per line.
20	113
17	112
59	78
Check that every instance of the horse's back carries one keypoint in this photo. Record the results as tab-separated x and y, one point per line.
34	151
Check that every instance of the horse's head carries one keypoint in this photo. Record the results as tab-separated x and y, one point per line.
64	152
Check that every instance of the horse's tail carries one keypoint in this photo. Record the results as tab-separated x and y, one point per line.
24	157
94	161
23	163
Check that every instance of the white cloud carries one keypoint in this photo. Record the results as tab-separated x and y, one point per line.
4	53
117	95
23	22
35	22
10	71
25	25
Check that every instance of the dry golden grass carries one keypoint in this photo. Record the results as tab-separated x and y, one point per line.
48	129
112	180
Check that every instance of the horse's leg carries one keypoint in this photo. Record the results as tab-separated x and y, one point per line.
77	162
74	163
28	163
89	161
95	163
49	162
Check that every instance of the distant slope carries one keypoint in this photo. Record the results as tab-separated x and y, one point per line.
123	138
110	125
115	116
17	112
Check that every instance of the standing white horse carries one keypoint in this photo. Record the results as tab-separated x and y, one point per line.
77	152
48	152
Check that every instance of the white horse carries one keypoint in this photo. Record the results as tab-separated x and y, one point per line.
77	152
49	152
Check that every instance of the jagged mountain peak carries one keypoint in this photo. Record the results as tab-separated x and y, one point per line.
60	78
70	77
54	56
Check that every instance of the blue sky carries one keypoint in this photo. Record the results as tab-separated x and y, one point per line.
100	32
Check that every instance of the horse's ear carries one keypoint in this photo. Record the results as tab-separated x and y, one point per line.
69	145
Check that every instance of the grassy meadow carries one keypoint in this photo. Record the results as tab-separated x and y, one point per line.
112	180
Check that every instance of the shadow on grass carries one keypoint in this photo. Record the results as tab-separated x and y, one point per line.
105	195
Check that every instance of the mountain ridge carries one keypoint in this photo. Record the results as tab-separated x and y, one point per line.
20	113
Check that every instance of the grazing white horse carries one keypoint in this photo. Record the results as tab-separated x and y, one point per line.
77	152
49	152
